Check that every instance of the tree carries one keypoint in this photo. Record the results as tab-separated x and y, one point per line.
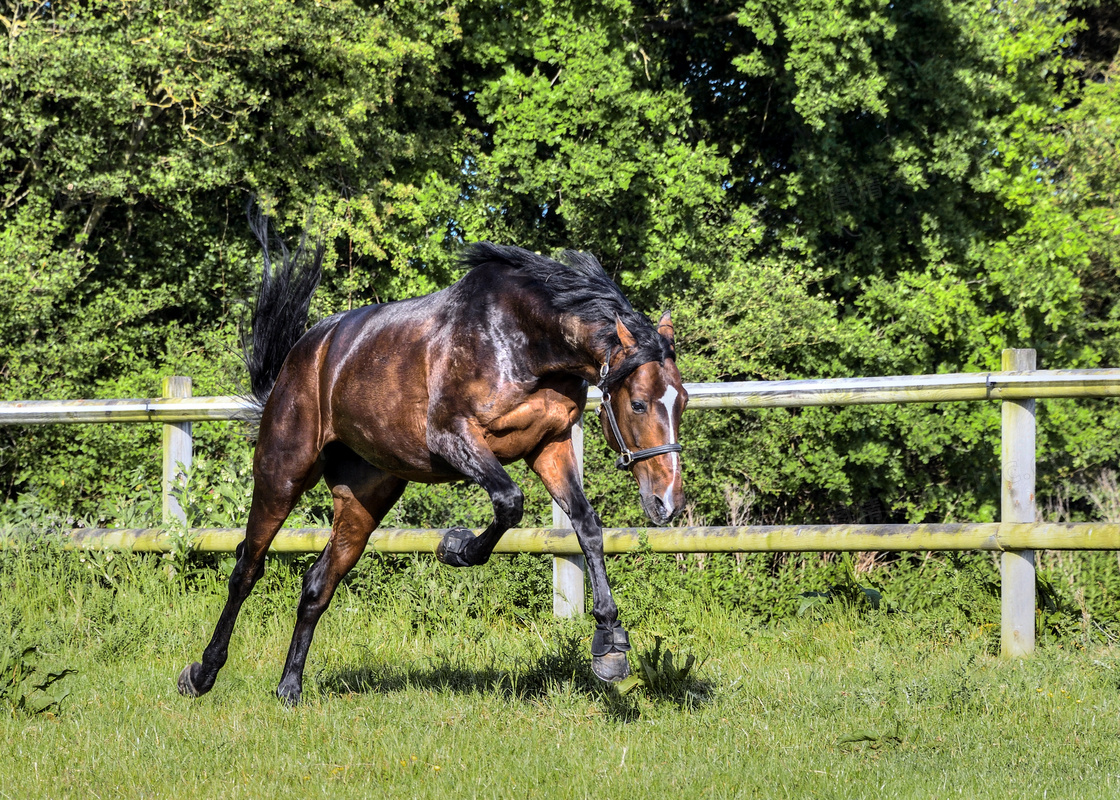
819	187
132	137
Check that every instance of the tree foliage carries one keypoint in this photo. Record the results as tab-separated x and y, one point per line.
817	187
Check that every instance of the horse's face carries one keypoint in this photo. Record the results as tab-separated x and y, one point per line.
648	408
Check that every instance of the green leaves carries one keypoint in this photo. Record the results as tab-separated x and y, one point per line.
658	673
873	739
585	146
25	684
817	188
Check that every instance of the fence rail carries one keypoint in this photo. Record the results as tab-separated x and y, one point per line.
954	387
989	536
1017	386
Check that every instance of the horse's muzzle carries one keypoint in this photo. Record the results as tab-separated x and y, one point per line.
661	510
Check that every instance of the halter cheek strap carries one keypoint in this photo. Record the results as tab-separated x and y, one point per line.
627	457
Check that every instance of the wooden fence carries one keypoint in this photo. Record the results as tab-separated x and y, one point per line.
1016	537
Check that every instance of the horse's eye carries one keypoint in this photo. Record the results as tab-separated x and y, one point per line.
638	407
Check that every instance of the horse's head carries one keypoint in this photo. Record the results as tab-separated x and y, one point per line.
641	419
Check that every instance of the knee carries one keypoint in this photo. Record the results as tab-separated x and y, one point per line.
583	516
509	507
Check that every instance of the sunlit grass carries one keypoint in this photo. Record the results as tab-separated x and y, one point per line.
843	702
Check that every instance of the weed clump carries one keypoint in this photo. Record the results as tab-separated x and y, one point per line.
27	684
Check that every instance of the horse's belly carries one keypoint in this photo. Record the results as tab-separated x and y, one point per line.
388	437
378	396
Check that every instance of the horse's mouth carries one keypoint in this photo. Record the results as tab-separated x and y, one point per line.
658	512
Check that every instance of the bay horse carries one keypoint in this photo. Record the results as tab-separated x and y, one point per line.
445	387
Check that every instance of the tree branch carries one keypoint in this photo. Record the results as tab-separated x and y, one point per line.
684	25
140	128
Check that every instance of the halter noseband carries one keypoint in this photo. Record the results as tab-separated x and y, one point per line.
628	457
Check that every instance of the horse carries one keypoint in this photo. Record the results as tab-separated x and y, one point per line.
449	386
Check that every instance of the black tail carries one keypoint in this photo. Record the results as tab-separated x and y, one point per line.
280	315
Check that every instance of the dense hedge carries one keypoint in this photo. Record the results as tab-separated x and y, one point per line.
817	187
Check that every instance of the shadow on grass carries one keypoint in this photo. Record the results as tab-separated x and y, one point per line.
562	672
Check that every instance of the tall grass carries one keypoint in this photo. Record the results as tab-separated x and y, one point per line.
811	680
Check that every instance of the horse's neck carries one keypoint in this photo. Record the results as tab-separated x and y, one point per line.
588	358
571	345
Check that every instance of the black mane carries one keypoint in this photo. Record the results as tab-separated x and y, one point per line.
577	284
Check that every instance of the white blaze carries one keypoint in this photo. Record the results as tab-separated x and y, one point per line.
668	400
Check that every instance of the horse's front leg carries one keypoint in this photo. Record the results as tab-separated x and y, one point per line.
555	463
463	447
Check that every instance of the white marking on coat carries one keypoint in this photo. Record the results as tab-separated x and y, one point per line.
668	400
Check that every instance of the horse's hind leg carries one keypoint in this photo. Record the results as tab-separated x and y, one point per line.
273	499
362	496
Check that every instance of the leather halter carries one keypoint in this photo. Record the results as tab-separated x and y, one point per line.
627	457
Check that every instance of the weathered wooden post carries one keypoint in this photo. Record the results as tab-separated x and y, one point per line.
176	451
1017	594
568	571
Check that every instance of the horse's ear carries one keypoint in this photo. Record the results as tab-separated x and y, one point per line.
665	326
625	338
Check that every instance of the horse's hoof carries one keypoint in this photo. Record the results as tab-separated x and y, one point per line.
289	696
608	652
452	547
611	668
186	685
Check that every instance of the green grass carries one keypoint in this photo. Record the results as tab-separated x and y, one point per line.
407	697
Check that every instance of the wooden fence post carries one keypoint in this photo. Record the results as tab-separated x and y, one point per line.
1017	592
568	571
176	451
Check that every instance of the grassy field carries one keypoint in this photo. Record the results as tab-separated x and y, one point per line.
403	700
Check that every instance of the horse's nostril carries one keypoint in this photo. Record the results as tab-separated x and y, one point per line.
664	511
